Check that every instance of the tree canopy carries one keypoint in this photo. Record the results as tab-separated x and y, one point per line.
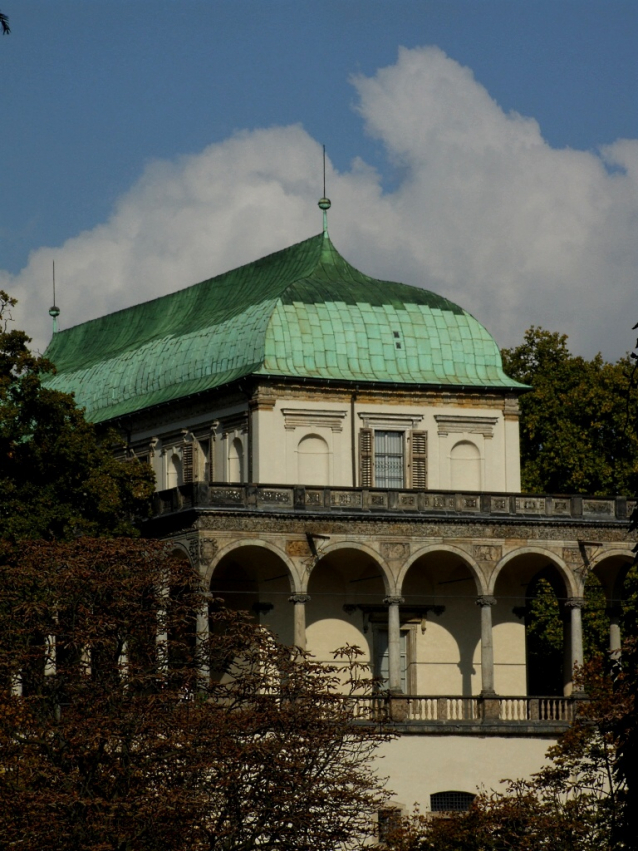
58	477
124	728
578	422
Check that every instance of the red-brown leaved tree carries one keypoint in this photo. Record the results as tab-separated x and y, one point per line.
123	728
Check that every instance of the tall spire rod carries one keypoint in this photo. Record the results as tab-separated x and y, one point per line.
324	171
324	203
54	311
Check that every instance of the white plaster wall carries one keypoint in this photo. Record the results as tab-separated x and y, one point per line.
419	765
275	446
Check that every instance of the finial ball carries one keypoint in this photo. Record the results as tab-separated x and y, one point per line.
324	204
54	311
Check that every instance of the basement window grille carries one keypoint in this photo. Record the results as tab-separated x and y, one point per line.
451	802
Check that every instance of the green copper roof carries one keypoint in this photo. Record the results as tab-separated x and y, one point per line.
302	312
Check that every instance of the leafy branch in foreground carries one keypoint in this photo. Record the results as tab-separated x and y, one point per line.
114	736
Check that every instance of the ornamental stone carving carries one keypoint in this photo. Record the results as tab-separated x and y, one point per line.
487	552
394	551
297	548
208	548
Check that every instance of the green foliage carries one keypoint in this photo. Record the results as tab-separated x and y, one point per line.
57	478
544	634
574	435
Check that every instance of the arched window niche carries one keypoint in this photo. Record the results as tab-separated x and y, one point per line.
313	461
465	467
174	471
236	461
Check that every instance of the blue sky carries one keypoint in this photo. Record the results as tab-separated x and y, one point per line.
96	92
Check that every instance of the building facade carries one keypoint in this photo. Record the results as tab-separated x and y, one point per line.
339	455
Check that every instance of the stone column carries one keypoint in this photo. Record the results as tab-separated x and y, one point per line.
487	644
299	614
394	643
615	638
574	606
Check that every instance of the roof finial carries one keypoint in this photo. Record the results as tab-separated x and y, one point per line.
324	203
54	311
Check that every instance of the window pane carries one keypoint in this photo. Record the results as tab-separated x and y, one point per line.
388	459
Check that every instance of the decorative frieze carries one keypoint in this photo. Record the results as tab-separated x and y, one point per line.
530	505
601	507
346	499
439	502
469	503
560	507
226	495
407	501
274	496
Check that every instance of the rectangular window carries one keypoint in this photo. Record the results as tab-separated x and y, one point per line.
389	462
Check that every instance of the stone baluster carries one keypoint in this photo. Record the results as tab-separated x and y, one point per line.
394	643
487	645
299	601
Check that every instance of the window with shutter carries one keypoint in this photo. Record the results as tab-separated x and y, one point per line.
187	462
419	460
389	461
366	454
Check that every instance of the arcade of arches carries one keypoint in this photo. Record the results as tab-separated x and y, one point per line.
435	616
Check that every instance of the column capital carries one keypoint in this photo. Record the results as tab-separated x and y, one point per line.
299	598
485	600
575	603
393	601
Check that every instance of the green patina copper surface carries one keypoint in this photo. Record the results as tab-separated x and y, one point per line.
303	312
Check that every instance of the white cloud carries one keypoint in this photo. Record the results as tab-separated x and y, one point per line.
487	213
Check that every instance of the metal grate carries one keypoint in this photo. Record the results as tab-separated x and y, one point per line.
448	802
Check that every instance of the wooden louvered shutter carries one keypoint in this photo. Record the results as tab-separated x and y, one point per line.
419	459
187	462
366	457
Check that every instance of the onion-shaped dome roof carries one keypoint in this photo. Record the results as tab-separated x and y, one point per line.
303	312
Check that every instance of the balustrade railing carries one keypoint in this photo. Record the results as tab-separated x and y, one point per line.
430	708
337	500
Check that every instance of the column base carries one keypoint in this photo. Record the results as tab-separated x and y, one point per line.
489	706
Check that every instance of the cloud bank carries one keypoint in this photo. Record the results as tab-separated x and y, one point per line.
486	213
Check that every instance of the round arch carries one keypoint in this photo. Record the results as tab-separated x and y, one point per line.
180	550
388	579
572	586
293	577
465	557
611	568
